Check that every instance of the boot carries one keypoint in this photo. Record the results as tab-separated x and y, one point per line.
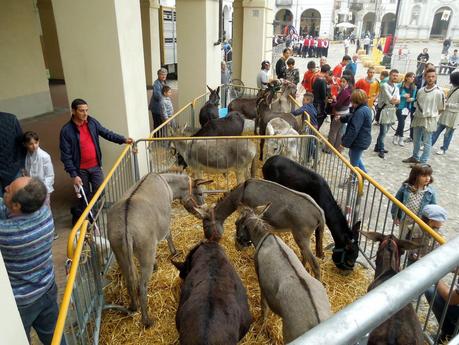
395	140
401	142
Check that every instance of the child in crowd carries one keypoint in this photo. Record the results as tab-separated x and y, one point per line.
292	74
167	109
38	162
415	193
309	108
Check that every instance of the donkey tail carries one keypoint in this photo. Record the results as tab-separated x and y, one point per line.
131	276
253	167
319	235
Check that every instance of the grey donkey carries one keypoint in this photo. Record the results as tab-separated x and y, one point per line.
140	220
290	211
285	285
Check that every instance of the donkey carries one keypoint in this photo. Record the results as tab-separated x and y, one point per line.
289	211
293	175
283	103
286	287
213	307
219	156
284	147
265	114
210	109
404	326
247	106
232	124
140	220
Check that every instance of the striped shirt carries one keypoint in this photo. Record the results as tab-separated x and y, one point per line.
25	243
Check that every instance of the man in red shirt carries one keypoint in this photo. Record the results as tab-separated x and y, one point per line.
80	150
338	70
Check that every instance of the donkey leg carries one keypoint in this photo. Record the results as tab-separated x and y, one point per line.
303	240
147	258
131	279
171	245
264	307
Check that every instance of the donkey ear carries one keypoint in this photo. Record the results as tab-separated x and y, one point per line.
179	265
374	236
200	181
260	210
409	245
209	88
201	211
356	229
218	90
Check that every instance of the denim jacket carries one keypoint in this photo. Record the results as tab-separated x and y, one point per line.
403	194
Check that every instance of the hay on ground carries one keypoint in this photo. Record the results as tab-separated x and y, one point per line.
164	288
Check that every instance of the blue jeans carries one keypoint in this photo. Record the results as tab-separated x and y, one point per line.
42	316
92	178
421	136
446	139
451	317
355	156
401	123
382	134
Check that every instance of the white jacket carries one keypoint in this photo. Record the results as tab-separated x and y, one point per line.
38	164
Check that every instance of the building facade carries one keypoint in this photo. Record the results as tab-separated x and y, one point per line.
306	16
429	19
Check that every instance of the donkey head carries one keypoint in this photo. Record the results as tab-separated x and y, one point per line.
389	251
244	230
194	196
214	97
213	228
345	257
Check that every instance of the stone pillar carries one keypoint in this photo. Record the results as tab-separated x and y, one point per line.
11	327
102	56
149	10
49	41
25	90
238	24
257	38
198	57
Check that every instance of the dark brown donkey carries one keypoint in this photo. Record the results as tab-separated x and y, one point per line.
403	328
213	307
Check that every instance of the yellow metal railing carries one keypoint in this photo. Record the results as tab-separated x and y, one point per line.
84	215
63	310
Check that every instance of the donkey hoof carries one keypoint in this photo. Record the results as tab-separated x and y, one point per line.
147	323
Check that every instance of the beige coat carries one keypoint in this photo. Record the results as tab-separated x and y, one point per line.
450	116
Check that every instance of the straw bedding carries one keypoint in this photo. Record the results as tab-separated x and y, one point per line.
164	288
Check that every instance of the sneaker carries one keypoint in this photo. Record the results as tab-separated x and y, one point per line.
411	160
56	236
408	140
381	154
400	141
441	152
395	139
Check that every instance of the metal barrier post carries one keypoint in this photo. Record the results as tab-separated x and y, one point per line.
357	319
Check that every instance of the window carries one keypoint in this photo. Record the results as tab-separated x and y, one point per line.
284	2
